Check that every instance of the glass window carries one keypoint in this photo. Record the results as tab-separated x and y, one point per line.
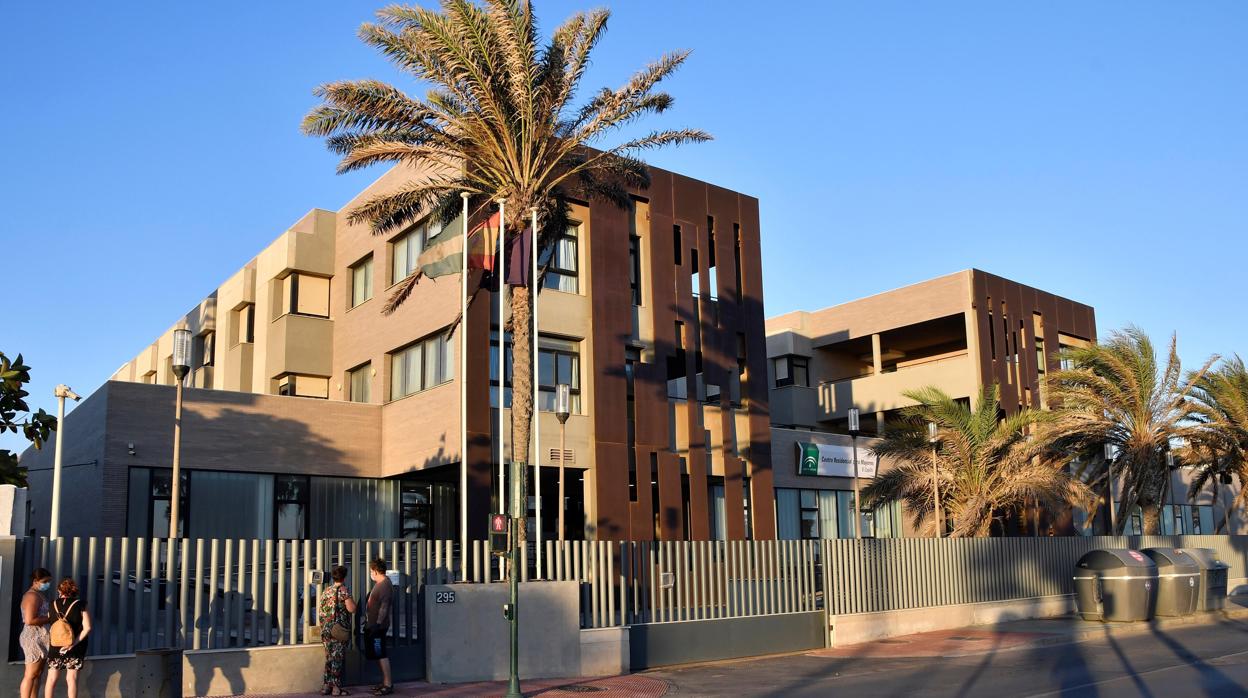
634	268
421	366
405	250
788	514
161	480
360	383
290	498
827	513
792	370
718	522
845	514
561	262
809	500
362	281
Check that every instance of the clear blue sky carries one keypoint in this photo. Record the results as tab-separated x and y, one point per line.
1096	150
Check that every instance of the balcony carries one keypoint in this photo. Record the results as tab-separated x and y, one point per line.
955	374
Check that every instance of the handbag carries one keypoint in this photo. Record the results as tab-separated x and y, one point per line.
337	631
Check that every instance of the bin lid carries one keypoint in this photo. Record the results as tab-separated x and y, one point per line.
1116	559
1171	560
1206	558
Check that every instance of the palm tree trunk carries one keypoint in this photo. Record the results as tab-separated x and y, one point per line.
521	399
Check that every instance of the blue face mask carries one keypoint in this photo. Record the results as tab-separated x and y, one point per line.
43	586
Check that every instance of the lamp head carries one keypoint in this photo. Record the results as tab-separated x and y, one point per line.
563	402
64	391
933	434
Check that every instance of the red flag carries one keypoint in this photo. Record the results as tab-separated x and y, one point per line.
483	244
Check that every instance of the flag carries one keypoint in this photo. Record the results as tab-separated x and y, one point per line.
520	259
443	253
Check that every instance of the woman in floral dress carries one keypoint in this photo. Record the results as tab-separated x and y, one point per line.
334	609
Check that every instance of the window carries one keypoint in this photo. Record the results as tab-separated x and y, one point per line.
243	324
561	263
634	268
162	496
736	253
405	250
300	385
809	502
632	356
558	361
206	347
792	370
360	383
362	281
290	506
676	246
421	366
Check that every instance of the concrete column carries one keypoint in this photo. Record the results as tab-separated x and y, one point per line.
877	358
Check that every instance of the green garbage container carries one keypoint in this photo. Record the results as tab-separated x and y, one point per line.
1213	583
1115	585
1177	577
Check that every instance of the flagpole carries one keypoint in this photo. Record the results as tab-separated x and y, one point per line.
463	396
537	411
502	358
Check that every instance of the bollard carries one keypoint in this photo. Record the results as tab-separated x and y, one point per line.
158	673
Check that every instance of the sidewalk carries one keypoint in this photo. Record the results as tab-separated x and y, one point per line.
1022	634
611	687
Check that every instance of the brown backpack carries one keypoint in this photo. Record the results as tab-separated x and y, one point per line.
62	633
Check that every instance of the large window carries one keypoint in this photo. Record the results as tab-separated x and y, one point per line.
405	250
561	262
792	370
558	361
360	383
362	281
290	506
634	268
810	514
421	366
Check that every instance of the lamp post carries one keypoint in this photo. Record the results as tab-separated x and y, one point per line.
1166	493
181	366
1109	489
933	437
563	408
853	440
61	392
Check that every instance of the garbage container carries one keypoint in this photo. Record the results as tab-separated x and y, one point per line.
1115	585
1213	583
158	673
1177	574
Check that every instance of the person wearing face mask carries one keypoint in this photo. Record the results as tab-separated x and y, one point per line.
34	637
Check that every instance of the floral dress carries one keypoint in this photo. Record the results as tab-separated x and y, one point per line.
332	609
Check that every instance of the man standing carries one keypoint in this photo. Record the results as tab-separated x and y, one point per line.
377	623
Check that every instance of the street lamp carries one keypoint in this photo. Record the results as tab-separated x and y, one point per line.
60	392
181	366
933	438
1167	492
853	440
563	408
1109	488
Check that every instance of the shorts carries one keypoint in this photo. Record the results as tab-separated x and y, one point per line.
375	643
64	662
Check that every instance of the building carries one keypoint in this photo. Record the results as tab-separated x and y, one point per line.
312	414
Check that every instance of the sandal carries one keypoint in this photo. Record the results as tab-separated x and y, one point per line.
383	690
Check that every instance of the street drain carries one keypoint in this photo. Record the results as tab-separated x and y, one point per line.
575	688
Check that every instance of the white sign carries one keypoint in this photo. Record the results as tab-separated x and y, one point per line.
834	461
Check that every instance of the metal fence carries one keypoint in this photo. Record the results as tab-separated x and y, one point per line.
217	594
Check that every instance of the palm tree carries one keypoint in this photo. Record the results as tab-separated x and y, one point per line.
1222	450
986	463
1113	393
500	122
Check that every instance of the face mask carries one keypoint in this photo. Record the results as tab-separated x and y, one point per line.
43	586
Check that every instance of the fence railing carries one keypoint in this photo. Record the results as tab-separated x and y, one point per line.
217	594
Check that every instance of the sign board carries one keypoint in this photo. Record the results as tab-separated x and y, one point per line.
834	461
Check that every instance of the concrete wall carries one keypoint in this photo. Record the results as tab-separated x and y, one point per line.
663	644
467	640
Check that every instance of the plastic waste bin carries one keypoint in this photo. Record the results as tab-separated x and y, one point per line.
1115	585
1177	575
1213	583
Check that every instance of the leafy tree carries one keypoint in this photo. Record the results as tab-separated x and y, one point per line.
1221	451
500	121
1115	393
15	416
985	463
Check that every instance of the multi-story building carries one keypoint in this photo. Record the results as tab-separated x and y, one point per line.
310	413
959	333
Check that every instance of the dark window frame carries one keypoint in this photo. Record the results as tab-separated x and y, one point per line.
792	362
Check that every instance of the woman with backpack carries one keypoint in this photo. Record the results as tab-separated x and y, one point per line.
71	623
334	610
34	637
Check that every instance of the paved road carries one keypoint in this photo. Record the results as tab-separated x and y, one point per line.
1199	660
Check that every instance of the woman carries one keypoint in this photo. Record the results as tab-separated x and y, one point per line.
34	637
334	611
72	610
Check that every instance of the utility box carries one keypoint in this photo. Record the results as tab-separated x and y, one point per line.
1212	587
1115	585
1177	575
